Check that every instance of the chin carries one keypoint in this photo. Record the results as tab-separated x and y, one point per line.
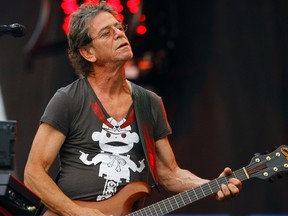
128	56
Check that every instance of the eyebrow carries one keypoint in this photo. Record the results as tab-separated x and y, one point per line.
108	26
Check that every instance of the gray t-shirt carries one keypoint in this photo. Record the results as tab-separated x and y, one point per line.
100	155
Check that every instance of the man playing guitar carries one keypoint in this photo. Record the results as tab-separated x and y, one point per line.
108	132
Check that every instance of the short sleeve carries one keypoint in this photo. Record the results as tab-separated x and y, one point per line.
58	112
161	125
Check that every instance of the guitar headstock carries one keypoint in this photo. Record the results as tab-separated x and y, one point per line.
267	165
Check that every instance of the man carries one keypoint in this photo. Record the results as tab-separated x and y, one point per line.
108	131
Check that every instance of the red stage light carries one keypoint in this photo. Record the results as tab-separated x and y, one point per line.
116	4
141	29
69	6
133	6
142	18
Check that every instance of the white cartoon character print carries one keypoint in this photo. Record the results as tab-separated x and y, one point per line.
114	162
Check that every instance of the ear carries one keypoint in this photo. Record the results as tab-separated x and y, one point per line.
88	53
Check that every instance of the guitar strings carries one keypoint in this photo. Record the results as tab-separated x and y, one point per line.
182	199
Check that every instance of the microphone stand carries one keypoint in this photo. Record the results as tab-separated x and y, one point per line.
14	29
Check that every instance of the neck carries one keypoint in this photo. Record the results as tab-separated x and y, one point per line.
109	83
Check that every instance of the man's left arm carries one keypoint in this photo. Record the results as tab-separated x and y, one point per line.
177	180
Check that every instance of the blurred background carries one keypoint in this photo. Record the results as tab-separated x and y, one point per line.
220	66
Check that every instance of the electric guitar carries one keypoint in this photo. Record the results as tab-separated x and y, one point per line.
263	167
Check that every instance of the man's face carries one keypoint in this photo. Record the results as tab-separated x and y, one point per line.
109	39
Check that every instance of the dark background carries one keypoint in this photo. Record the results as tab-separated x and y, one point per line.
223	79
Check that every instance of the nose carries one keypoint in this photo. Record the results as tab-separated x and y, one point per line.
117	32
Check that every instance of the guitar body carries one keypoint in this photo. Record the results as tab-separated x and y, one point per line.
120	204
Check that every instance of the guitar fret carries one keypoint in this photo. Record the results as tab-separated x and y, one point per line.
152	210
202	190
186	198
222	180
192	195
195	194
206	189
166	209
200	195
210	188
160	209
148	211
217	184
187	194
213	186
142	212
176	202
241	174
170	207
155	210
182	199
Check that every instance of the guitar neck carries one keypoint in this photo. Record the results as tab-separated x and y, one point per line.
182	199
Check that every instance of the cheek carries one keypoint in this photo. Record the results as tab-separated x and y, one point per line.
102	47
102	53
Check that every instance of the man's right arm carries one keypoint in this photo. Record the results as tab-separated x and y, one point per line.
45	147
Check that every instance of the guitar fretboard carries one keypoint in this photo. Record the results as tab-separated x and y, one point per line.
182	199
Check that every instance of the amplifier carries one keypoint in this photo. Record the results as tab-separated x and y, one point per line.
7	144
16	198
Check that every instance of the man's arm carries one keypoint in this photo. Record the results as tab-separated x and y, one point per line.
45	148
177	180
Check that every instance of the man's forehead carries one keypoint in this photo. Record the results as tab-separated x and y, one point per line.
102	20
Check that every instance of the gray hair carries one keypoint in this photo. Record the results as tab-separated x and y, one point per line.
79	35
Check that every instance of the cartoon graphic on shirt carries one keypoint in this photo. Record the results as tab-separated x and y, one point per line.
115	164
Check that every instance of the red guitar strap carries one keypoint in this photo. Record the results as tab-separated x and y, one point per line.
144	118
99	113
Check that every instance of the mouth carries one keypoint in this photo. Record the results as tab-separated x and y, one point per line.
122	45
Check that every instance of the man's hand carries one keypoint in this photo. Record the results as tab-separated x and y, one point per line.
230	190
